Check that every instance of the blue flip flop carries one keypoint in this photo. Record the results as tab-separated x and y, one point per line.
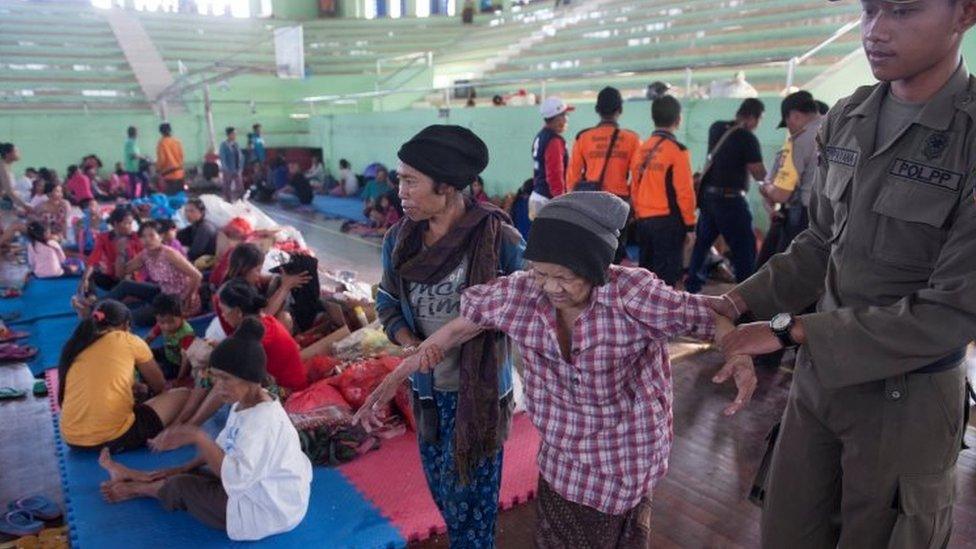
37	505
20	523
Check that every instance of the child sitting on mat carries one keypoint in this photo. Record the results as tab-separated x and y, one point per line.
177	335
257	481
45	257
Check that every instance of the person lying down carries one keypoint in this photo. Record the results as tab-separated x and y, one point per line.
253	481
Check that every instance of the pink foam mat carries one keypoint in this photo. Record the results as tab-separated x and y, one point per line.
51	380
392	479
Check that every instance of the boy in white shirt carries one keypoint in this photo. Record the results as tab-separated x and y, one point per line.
257	481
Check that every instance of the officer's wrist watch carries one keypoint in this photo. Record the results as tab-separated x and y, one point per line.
781	325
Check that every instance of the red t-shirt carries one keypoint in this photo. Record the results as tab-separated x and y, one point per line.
105	252
284	361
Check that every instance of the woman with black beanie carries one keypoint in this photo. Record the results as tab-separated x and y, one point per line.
448	242
253	481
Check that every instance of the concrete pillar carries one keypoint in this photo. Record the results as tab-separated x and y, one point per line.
410	9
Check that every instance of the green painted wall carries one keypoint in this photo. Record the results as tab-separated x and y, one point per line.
295	9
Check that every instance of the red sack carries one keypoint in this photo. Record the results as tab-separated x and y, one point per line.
320	394
320	367
359	379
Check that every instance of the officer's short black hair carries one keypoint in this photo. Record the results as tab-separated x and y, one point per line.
343	163
751	108
665	111
229	130
165	128
5	149
131	131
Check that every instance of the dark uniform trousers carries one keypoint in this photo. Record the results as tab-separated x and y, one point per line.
866	454
882	453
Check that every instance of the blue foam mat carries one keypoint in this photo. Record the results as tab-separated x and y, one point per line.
42	298
49	335
338	516
342	208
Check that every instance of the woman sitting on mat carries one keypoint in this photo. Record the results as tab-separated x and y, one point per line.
257	481
97	373
246	261
238	302
170	272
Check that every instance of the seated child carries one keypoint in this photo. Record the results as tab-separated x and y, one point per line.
383	214
177	336
88	226
44	254
253	481
167	230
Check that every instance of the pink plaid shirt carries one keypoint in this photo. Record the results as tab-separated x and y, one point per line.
604	418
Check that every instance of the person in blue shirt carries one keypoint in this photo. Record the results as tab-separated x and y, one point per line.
260	154
232	164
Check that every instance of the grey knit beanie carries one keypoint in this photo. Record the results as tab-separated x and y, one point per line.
579	231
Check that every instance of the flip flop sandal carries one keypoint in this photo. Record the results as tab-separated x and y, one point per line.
40	388
20	523
9	393
41	507
10	352
12	335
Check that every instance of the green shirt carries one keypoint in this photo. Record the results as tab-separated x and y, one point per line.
131	156
173	344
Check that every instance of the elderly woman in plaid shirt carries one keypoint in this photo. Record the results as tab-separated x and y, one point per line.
597	376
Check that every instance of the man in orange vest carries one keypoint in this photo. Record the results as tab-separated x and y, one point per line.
663	194
591	164
169	160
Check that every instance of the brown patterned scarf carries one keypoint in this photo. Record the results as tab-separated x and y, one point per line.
477	233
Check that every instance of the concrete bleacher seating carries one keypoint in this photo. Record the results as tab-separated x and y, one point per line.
663	37
57	56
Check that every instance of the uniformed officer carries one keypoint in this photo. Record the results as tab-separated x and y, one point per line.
867	450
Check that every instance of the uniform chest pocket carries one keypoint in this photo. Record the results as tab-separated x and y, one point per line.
912	223
836	190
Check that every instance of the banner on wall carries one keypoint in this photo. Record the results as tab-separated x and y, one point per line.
289	52
328	8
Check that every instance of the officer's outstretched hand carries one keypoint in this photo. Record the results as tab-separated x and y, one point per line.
742	371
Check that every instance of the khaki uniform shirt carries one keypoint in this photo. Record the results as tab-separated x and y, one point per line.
891	249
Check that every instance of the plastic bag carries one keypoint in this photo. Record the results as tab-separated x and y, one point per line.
360	379
320	394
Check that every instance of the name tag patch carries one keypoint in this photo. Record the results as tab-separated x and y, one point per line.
843	156
930	175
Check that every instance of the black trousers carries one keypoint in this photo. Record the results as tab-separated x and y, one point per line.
662	242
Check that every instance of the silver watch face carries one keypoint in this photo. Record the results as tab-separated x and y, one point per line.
780	322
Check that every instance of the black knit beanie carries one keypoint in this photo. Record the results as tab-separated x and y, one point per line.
579	231
242	355
447	154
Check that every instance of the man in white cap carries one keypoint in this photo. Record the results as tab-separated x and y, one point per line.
549	156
